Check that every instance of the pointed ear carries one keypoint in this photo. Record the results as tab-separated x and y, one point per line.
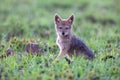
70	19
57	18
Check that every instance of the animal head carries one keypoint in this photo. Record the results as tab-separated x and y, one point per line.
63	26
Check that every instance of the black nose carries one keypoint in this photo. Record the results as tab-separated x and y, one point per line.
63	33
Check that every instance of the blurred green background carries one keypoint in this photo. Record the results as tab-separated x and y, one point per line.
35	18
97	23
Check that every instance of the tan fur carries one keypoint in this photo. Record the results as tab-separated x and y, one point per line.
67	42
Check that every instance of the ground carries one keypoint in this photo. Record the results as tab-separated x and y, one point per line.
24	21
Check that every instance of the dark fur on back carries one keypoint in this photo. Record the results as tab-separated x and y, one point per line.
78	47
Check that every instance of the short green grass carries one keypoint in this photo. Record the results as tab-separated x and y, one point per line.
96	22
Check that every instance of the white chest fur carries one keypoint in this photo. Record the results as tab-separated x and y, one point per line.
63	44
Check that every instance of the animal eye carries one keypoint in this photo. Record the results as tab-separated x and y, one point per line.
60	27
67	28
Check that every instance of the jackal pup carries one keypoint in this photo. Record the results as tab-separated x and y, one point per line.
68	43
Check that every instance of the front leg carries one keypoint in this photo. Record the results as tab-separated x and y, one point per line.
59	55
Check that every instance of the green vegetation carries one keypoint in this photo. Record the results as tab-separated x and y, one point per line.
97	22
